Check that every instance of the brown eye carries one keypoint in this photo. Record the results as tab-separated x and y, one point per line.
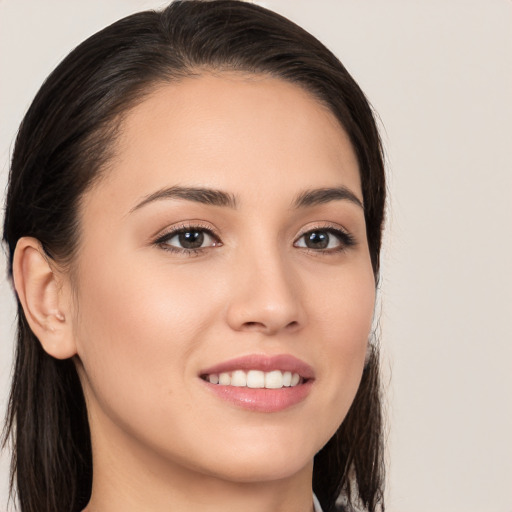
188	239
317	239
327	240
191	239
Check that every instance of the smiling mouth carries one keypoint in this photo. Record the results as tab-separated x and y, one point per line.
256	379
259	382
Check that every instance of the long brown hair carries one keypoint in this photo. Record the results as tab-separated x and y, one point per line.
62	147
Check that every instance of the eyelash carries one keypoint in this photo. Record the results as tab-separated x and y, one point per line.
346	240
162	240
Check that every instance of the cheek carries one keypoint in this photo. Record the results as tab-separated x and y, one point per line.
134	330
344	308
344	319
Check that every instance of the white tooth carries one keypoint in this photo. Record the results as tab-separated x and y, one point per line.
295	379
224	379
274	380
213	378
255	379
287	379
239	378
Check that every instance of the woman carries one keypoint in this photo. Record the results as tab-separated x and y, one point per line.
194	220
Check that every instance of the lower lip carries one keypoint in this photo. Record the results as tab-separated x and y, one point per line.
262	400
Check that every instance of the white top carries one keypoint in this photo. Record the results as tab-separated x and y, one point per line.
316	504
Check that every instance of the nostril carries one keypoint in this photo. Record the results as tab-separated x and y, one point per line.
252	325
257	326
292	326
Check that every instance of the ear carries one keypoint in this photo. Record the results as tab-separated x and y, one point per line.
47	307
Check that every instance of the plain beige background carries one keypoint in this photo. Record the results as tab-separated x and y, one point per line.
439	73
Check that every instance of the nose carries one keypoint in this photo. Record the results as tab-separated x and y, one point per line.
265	295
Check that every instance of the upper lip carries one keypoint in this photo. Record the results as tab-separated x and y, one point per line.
265	363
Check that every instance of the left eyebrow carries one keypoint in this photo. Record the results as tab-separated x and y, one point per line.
325	195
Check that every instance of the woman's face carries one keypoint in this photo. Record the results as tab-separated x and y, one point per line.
226	242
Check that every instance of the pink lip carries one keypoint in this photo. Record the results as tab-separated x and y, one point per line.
262	400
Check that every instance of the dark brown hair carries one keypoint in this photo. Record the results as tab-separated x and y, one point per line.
63	145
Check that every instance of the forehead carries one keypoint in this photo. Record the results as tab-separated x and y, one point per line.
234	131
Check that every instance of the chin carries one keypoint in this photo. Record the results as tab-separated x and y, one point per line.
262	461
254	471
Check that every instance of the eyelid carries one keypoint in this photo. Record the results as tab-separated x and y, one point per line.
323	226
183	226
346	238
175	229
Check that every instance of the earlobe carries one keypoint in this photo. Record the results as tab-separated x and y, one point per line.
40	291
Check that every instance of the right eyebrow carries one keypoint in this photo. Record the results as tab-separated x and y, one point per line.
202	195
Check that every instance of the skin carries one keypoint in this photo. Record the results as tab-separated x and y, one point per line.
145	320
